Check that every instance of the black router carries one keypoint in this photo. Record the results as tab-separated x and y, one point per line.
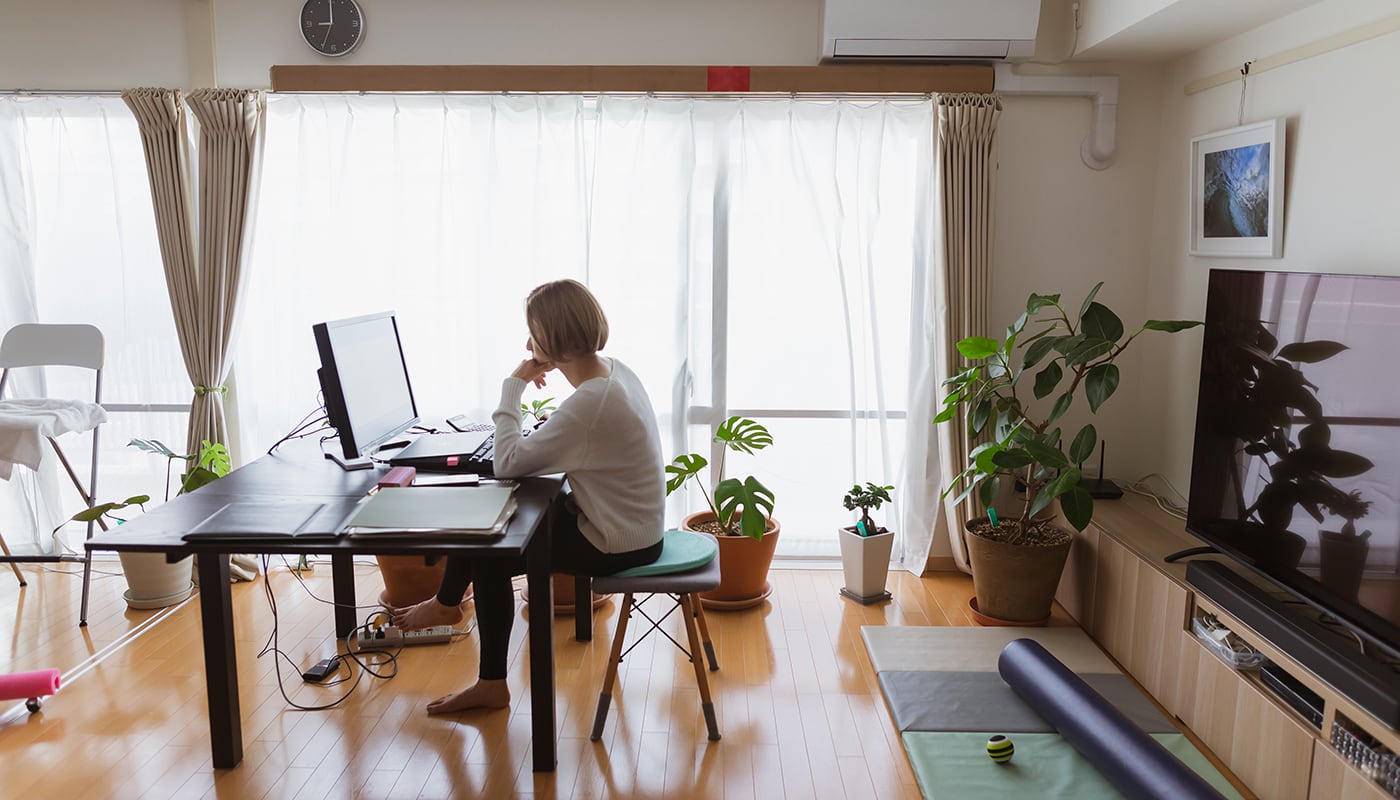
1100	488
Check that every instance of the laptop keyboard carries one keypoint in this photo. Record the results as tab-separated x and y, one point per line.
486	450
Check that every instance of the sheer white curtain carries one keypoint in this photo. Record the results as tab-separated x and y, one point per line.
765	257
448	210
78	244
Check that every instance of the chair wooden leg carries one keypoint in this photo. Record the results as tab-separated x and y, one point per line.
13	565
600	716
705	634
688	604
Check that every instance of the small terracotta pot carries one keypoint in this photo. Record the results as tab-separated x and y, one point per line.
743	566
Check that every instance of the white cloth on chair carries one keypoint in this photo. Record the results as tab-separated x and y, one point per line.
24	424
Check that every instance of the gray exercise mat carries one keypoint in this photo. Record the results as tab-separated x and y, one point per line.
981	701
938	649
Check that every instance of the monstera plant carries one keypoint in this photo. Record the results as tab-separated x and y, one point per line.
739	515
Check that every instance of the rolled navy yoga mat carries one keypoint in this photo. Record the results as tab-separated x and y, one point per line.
1131	760
29	685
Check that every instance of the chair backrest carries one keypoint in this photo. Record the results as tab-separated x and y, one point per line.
37	345
33	344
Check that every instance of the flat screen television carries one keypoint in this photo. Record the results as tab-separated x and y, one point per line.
364	382
1296	461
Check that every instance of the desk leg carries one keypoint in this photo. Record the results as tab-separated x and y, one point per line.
583	608
540	582
220	668
343	590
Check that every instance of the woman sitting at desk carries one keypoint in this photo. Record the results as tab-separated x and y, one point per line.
604	437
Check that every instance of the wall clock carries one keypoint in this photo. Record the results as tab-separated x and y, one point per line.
332	27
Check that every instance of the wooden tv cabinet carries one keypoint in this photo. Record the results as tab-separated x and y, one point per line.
1140	609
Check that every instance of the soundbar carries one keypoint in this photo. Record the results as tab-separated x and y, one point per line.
1366	682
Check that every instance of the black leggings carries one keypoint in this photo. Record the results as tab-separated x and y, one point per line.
494	596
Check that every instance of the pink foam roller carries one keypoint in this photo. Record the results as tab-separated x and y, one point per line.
29	685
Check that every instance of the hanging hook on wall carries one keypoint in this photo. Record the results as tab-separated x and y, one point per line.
1244	79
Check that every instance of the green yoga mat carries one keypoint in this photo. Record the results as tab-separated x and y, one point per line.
955	766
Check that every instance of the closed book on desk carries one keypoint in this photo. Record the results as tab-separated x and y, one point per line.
261	519
411	510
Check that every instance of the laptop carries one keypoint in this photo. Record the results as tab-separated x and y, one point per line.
469	452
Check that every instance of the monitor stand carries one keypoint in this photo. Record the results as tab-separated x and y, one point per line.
350	464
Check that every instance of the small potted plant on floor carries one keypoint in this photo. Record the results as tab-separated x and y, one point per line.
1017	558
739	516
865	546
153	582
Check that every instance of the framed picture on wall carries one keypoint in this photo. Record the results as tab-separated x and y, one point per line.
1237	192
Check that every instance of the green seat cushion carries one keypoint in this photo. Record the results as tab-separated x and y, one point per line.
681	551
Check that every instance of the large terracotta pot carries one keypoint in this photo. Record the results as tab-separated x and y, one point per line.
409	580
562	586
1015	582
743	565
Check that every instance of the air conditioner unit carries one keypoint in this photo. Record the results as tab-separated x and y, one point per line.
962	30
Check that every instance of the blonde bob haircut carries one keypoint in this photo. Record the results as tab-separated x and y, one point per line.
565	320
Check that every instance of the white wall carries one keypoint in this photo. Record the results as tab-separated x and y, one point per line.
105	44
1342	168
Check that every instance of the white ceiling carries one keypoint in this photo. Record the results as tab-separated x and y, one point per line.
1167	29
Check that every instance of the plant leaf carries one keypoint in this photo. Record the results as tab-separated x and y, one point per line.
743	435
154	446
1013	458
1098	322
1311	352
1169	325
980	414
1078	507
946	414
1100	384
682	468
1061	406
1083	445
752	500
1038	350
1047	455
1088	351
1084	308
1047	379
1066	480
978	347
988	491
1038	301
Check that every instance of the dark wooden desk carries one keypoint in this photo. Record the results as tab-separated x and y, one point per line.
297	472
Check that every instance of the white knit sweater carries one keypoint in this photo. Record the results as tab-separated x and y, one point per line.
604	438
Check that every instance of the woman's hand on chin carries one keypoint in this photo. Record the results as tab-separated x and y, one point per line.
532	371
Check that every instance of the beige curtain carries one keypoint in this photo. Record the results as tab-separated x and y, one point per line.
203	256
967	153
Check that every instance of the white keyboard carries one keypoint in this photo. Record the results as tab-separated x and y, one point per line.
393	637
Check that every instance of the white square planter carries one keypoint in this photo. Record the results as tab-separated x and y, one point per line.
866	563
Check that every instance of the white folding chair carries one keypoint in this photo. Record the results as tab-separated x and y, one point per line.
26	420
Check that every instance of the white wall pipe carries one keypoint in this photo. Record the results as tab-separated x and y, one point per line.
1100	146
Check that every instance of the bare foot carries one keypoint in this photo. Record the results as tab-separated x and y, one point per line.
425	615
482	694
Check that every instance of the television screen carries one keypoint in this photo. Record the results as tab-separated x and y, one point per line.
1296	462
365	381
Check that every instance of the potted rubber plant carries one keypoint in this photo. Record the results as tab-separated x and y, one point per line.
1011	396
866	546
739	515
152	581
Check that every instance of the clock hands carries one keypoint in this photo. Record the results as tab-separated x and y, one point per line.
330	21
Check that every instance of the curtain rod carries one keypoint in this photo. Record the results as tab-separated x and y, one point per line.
1325	45
50	92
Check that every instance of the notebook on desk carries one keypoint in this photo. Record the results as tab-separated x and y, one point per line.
257	520
448	452
407	510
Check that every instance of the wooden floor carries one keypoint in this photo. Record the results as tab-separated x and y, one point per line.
799	707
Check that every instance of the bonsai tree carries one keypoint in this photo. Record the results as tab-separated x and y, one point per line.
871	496
739	507
1062	357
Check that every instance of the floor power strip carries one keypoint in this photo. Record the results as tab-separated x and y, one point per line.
390	636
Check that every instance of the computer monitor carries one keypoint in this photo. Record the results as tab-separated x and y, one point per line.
365	384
